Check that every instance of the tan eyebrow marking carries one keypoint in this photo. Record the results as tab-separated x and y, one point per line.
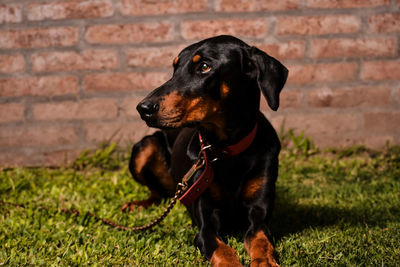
196	58
176	60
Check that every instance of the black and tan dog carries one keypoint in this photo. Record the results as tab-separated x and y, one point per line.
215	93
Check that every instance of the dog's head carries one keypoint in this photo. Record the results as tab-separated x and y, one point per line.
214	80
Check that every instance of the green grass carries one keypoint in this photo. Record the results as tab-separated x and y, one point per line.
337	207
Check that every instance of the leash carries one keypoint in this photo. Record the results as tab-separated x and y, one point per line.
180	190
186	196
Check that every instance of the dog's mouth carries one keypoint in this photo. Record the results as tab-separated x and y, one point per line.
161	116
175	111
163	122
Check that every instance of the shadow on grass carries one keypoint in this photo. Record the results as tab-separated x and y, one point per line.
290	217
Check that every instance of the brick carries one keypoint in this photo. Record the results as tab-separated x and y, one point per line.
145	7
124	81
12	159
284	50
38	86
240	27
345	3
11	63
352	139
369	96
382	121
11	112
365	47
70	61
38	158
70	10
380	70
127	132
151	32
61	157
384	22
320	124
317	25
332	140
376	141
152	57
255	5
38	38
70	110
10	13
129	106
288	99
31	136
347	136
398	95
321	73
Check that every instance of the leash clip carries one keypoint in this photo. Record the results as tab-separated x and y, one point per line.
197	166
203	150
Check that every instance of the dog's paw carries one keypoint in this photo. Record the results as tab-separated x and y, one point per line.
265	262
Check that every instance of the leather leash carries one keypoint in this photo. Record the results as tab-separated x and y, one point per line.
186	196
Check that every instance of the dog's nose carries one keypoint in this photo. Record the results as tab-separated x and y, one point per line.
147	108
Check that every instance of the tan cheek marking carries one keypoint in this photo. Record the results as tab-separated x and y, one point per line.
190	110
200	109
192	104
170	103
204	110
224	90
195	110
261	251
224	256
196	58
176	60
253	186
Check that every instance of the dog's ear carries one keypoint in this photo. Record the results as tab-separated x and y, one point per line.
269	73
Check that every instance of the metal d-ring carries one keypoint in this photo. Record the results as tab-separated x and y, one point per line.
203	149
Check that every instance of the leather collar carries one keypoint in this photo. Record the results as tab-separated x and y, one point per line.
207	175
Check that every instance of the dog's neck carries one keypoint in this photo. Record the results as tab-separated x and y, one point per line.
237	118
231	133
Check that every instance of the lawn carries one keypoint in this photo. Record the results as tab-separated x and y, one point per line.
336	207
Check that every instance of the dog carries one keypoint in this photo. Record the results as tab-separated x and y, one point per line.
209	118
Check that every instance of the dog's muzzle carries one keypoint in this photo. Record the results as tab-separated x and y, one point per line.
147	109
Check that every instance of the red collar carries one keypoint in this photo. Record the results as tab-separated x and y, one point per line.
243	144
207	176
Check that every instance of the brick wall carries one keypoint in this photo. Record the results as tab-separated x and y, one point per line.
72	71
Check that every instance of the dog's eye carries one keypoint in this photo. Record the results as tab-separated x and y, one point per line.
205	68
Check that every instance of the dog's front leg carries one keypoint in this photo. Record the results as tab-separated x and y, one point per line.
208	241
257	241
